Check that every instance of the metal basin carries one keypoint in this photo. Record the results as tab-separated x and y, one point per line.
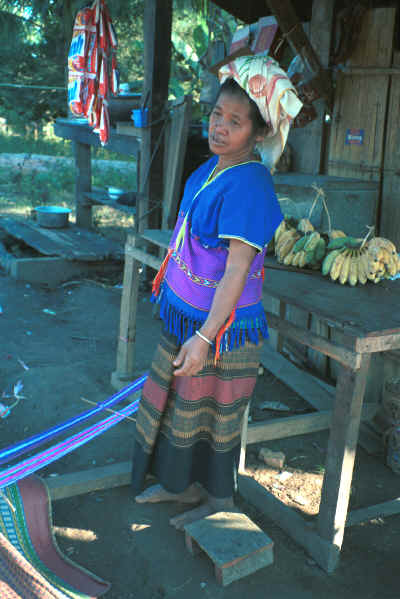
52	217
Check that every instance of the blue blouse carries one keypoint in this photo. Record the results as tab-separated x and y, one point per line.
238	203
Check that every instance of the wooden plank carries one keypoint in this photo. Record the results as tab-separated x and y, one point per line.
125	128
308	142
282	315
360	102
351	310
125	363
290	426
305	337
380	510
158	237
317	393
370	71
175	150
80	132
101	197
389	210
298	380
340	457
236	546
291	522
292	30
293	347
87	481
83	182
54	271
144	257
318	360
71	243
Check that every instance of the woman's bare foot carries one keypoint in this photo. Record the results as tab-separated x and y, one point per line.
157	494
211	506
203	510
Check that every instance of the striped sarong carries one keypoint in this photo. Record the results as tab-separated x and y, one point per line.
188	428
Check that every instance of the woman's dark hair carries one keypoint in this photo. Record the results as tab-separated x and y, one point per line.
230	86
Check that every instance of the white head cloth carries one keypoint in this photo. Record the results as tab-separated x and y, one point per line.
271	89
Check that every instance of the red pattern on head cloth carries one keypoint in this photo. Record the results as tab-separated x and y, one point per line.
271	89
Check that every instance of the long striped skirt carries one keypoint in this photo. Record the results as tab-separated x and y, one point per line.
188	428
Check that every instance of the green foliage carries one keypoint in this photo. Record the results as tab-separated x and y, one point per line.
36	36
27	144
32	55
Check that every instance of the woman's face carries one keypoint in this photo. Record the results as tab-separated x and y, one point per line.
230	132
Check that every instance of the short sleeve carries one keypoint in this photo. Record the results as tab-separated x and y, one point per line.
250	210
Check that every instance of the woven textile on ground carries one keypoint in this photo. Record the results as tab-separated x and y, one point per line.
31	564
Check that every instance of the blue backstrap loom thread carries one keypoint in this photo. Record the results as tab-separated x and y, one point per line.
68	445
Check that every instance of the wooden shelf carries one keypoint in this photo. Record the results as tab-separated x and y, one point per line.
100	197
78	130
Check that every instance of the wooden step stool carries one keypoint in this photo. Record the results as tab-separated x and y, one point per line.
235	545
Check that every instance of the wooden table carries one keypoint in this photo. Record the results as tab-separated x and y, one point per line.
365	320
368	320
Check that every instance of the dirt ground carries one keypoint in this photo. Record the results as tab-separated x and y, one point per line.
69	353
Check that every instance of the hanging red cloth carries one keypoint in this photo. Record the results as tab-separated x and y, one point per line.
92	67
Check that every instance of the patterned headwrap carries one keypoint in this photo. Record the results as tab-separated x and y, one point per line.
271	89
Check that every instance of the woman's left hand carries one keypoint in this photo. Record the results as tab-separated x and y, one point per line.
191	357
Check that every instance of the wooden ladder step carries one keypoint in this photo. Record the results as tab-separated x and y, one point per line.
236	546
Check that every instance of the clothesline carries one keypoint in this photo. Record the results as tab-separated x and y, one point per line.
13	451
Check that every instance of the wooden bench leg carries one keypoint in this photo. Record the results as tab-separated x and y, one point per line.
243	440
83	183
127	329
191	545
342	444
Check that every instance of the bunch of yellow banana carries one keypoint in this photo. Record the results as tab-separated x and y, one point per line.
285	243
347	265
383	262
309	250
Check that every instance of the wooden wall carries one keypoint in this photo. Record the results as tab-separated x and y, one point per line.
361	100
390	201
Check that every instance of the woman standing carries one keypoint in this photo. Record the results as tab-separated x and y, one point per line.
209	288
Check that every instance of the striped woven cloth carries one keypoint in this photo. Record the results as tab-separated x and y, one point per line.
31	564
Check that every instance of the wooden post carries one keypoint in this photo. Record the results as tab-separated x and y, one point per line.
156	58
292	29
83	184
127	329
341	450
309	141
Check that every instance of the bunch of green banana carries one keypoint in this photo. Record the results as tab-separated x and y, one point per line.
337	243
347	265
308	250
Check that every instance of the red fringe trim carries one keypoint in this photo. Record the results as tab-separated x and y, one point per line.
220	334
158	279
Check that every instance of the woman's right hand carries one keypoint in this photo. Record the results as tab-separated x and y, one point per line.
191	357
